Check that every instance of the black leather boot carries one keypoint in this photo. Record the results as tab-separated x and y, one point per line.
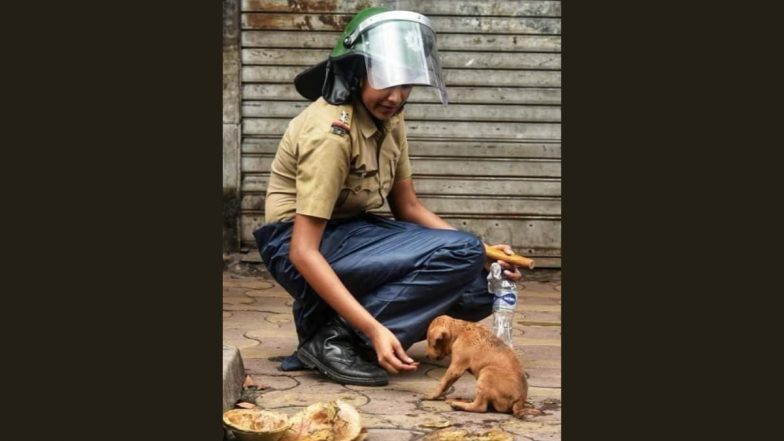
333	351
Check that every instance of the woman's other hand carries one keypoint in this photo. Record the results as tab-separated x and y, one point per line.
510	271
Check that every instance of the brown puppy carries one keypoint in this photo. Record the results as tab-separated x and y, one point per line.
500	379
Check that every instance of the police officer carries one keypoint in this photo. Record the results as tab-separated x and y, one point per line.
365	287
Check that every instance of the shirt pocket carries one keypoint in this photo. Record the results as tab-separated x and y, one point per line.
359	184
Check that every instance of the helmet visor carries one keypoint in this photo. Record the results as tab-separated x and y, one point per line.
401	52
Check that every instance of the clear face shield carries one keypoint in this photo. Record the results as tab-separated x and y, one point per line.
402	52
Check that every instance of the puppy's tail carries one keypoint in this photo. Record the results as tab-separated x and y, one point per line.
518	408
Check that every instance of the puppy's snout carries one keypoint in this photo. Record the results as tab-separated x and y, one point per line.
433	354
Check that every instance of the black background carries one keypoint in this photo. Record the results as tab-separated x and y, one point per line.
113	220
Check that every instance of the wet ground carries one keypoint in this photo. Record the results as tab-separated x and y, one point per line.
257	320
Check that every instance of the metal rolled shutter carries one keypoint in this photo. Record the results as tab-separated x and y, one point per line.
489	163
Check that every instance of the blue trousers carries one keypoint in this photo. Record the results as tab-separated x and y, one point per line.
405	275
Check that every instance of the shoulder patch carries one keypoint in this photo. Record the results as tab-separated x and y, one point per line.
341	125
344	117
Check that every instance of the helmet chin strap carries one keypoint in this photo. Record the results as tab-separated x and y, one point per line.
402	105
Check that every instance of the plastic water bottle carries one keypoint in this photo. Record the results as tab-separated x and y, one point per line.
505	292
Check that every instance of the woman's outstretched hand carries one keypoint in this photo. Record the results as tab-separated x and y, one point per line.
391	355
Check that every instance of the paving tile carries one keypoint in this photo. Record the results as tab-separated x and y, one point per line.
265	366
252	256
478	421
533	363
517	331
272	325
539	352
532	300
538	332
271	347
539	394
270	304
420	421
537	287
237	300
392	435
410	385
466	434
241	343
280	319
274	382
551	409
538	318
273	292
524	307
235	337
544	377
464	387
234	291
315	392
523	341
435	406
389	402
243	319
283	333
530	428
247	282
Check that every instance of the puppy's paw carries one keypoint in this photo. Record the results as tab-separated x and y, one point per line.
434	396
459	404
531	411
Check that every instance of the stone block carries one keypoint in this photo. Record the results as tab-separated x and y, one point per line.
233	376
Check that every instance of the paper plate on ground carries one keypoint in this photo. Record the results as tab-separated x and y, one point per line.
256	424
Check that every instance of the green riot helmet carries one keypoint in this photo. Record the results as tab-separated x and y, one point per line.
390	48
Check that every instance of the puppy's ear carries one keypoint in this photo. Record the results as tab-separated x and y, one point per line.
441	340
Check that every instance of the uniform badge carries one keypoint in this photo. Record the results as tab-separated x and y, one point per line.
340	126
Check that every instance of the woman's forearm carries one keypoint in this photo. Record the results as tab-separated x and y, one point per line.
419	214
405	206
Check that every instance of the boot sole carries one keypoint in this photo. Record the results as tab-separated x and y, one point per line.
313	363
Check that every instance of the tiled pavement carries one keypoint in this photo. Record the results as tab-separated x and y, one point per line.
257	320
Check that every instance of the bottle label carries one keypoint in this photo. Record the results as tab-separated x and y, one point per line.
505	300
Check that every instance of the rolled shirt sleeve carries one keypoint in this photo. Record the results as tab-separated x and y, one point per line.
403	167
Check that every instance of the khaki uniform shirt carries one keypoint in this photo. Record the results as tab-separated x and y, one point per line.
333	162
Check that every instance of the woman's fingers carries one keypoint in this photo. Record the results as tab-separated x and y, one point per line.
394	365
510	271
387	366
504	247
513	276
391	355
408	363
394	360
